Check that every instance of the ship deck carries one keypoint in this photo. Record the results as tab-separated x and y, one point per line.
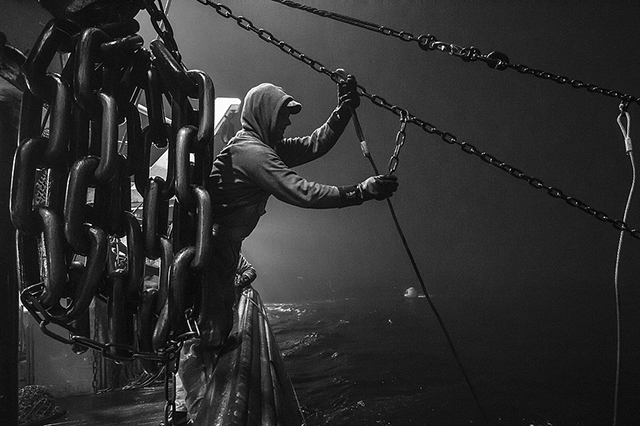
139	407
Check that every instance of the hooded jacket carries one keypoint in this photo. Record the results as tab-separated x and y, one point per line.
252	166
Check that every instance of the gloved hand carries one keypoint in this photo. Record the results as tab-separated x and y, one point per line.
242	281
348	93
378	187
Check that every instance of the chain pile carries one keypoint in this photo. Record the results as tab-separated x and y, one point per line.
78	241
36	405
408	117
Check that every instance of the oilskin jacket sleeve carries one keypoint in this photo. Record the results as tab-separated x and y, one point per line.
301	150
266	170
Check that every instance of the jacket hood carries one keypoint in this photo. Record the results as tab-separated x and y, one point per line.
260	110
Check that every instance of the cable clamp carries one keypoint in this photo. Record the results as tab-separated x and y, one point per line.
625	129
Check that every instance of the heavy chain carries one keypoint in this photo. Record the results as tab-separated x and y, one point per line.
30	299
85	105
447	137
496	60
265	35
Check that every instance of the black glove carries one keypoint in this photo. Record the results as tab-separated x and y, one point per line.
348	93
378	187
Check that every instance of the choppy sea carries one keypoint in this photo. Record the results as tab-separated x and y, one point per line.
386	361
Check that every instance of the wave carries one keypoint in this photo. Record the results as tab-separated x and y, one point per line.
384	361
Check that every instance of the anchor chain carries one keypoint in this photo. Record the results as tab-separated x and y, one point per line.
428	42
78	241
447	137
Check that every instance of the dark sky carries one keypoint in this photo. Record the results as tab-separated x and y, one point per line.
473	228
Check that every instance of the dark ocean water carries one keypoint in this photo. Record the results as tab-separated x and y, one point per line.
385	361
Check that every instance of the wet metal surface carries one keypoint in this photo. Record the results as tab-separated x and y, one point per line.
137	407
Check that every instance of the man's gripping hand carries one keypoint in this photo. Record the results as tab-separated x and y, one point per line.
348	93
378	187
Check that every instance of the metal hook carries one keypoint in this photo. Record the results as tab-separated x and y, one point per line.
625	129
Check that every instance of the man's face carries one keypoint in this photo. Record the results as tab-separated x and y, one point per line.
282	123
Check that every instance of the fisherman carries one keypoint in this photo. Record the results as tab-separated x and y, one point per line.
257	163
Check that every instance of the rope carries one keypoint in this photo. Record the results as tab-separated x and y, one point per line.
437	313
367	153
627	142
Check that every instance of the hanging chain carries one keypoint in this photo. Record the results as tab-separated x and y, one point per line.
84	107
428	42
400	139
447	137
162	26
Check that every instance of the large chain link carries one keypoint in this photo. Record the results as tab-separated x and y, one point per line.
496	60
447	137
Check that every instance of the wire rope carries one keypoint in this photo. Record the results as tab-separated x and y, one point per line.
443	327
627	139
